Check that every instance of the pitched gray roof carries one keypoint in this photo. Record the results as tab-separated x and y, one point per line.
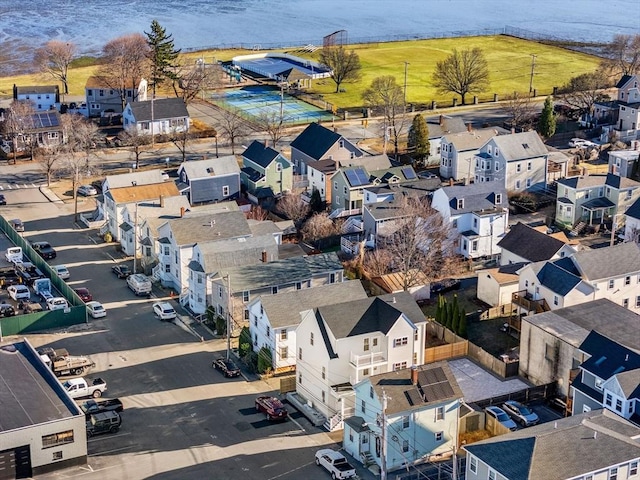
518	146
476	196
607	262
472	140
163	108
234	252
210	167
634	209
557	279
207	227
260	153
146	177
529	243
284	309
630	382
373	314
566	448
435	384
370	162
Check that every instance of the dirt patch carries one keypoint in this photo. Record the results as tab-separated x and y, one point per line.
472	437
487	335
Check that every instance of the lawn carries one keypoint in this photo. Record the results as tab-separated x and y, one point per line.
509	59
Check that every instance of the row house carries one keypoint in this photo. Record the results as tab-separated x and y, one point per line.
478	214
339	345
275	318
404	417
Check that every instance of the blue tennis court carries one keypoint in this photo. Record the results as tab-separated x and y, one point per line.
259	101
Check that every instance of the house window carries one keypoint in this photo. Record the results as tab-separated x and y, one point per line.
625	302
365	347
370	391
350	435
439	436
245	296
298	285
398	342
399	366
638	301
332	278
255	320
245	315
460	203
439	413
405	421
611	284
405	445
473	464
475	223
555	300
274	290
496	152
529	182
496	166
344	189
517	184
613	473
278	167
415	336
225	190
529	166
220	311
324	398
101	93
199	277
324	373
89	92
491	475
268	331
300	378
608	400
299	353
454	224
335	185
633	468
219	292
518	168
56	439
474	246
57	456
627	280
618	405
283	334
365	372
167	268
498	198
363	406
548	351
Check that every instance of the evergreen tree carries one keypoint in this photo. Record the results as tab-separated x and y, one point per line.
447	315
162	55
418	140
455	322
455	312
547	122
316	204
439	309
462	325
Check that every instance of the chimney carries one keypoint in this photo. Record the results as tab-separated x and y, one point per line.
161	201
264	256
181	212
451	182
393	300
441	120
469	127
595	434
414	375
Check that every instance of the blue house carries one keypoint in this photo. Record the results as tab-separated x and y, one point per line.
210	180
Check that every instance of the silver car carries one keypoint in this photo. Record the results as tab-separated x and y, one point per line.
520	413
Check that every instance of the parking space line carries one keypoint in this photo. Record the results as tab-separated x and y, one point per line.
299	426
110	451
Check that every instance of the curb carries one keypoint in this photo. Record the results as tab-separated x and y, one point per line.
52	197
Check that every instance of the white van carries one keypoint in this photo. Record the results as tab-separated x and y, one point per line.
139	284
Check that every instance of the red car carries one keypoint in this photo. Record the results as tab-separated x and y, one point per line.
84	294
272	407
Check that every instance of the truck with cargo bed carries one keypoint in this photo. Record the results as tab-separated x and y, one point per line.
79	387
61	363
335	463
90	407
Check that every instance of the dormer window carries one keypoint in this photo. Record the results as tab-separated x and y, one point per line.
460	203
498	198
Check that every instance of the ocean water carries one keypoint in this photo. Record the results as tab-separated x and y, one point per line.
27	24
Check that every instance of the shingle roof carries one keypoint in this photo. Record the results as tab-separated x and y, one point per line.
143	192
370	162
607	262
583	181
145	177
476	196
557	279
163	108
566	448
261	154
210	167
326	166
607	356
315	140
504	274
283	310
435	384
445	125
616	181
473	140
530	244
623	80
634	210
629	382
518	146
373	314
194	229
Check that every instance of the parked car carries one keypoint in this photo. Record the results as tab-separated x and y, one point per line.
43	249
103	422
7	310
3	200
164	311
335	463
271	407
520	413
84	294
446	285
19	292
17	225
121	271
501	417
57	303
227	367
62	271
87	190
91	407
576	142
96	309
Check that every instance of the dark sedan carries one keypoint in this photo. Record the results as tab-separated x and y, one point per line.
45	250
121	271
226	367
84	294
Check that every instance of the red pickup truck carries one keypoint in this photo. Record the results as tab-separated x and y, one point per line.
272	407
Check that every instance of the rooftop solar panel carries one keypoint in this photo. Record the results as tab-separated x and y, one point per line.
408	173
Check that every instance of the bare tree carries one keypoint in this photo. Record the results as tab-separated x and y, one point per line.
385	94
271	122
377	262
192	81
257	213
54	59
181	139
319	227
623	55
126	62
462	72
520	109
19	125
583	91
81	136
49	161
294	208
420	243
231	126
345	66
136	141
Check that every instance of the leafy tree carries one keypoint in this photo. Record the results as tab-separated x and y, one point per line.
265	360
345	66
462	72
418	139
54	59
386	95
547	122
316	204
162	55
623	55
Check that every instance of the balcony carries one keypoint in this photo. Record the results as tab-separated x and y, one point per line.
368	360
524	299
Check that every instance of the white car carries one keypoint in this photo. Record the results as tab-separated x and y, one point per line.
96	310
576	142
61	271
57	303
87	190
164	311
19	292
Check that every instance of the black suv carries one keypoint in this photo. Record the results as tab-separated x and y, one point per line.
103	422
45	250
227	367
3	200
7	310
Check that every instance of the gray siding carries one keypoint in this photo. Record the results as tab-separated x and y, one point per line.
210	189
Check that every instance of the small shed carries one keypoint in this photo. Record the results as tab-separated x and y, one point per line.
394	283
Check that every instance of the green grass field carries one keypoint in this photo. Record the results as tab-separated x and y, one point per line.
509	61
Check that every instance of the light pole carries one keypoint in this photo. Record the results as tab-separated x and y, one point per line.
228	277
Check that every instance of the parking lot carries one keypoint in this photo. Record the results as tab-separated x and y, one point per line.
181	418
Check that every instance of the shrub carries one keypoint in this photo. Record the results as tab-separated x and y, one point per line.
265	360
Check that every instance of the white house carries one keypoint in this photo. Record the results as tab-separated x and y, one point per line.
43	97
632	223
457	151
404	417
274	318
478	214
162	116
525	244
339	345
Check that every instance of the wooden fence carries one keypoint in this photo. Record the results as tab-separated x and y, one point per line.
288	384
499	311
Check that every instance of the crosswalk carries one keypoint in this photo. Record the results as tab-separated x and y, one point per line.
19	185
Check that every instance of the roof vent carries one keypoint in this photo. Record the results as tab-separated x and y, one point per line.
212	223
8	349
595	434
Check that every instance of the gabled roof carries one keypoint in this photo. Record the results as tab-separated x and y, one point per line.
435	384
283	310
96	81
518	146
326	166
403	174
234	252
143	192
607	262
590	181
36	89
557	279
505	274
43	121
634	210
473	140
259	153
315	140
607	357
445	125
373	314
145	177
629	382
624	80
476	197
616	181
566	448
163	108
210	167
155	212
370	162
208	227
529	243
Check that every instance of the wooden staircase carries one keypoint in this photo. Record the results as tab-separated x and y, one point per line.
578	228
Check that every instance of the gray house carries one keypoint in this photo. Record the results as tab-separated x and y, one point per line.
211	180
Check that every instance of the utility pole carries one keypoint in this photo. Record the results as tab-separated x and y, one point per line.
406	64
153	96
228	277
383	444
533	66
135	238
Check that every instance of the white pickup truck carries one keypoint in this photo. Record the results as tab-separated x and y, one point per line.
335	463
79	387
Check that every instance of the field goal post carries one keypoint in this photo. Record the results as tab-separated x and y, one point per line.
338	38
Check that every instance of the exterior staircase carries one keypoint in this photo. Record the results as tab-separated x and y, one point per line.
367	459
578	228
334	423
